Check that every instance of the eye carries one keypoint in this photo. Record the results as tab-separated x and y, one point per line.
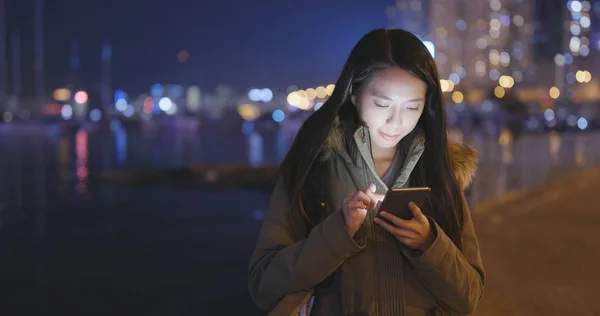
381	105
413	109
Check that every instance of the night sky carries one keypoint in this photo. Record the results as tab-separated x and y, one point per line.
266	43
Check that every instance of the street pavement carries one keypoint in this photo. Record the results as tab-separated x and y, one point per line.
541	251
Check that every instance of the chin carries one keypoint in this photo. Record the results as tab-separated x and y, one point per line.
382	143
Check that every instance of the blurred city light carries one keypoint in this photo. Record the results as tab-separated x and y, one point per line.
586	6
266	95
506	81
582	123
549	115
585	21
575	5
81	97
457	97
148	104
446	85
128	112
193	98
454	78
321	92
157	90
574	44
172	109
311	93
7	117
254	95
248	112
304	104
329	89
294	98
499	92
318	106
495	5
120	95
461	71
66	112
494	74
571	78
431	47
518	20
183	56
583	76
121	105
554	92
278	116
62	94
165	104
95	115
487	105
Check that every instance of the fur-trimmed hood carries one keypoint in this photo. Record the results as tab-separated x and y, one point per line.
463	159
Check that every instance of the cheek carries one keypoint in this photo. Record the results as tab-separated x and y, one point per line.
372	117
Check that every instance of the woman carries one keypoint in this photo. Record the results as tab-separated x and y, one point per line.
321	251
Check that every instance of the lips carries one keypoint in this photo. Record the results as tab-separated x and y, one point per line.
390	137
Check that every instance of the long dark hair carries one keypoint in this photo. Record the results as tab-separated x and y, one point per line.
303	172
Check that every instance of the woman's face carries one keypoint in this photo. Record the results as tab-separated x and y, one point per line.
391	105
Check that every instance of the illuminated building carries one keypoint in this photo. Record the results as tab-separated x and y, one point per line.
410	15
478	42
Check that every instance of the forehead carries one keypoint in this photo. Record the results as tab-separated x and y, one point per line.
397	84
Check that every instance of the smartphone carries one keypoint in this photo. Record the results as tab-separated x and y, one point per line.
396	201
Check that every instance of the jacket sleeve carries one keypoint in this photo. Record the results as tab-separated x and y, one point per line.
454	277
283	266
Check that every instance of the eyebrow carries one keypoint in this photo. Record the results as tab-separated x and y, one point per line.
390	99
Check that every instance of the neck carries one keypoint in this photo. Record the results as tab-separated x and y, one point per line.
380	154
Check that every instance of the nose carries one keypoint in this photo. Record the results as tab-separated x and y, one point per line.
394	119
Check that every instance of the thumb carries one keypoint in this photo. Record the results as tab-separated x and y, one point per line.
371	193
372	187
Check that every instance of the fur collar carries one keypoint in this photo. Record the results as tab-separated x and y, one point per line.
463	159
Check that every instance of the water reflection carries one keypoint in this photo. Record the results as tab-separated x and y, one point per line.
63	157
282	145
81	162
506	141
580	150
16	185
255	149
554	145
31	175
120	146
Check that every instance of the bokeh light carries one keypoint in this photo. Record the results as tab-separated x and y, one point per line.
61	94
81	97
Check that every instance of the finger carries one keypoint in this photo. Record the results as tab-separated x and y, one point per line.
390	228
371	192
358	205
398	221
363	197
396	231
416	211
349	197
372	188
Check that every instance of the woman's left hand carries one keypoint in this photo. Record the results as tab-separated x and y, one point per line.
415	233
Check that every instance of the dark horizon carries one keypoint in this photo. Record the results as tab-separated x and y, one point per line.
305	47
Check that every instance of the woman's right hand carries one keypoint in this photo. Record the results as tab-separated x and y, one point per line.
356	206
